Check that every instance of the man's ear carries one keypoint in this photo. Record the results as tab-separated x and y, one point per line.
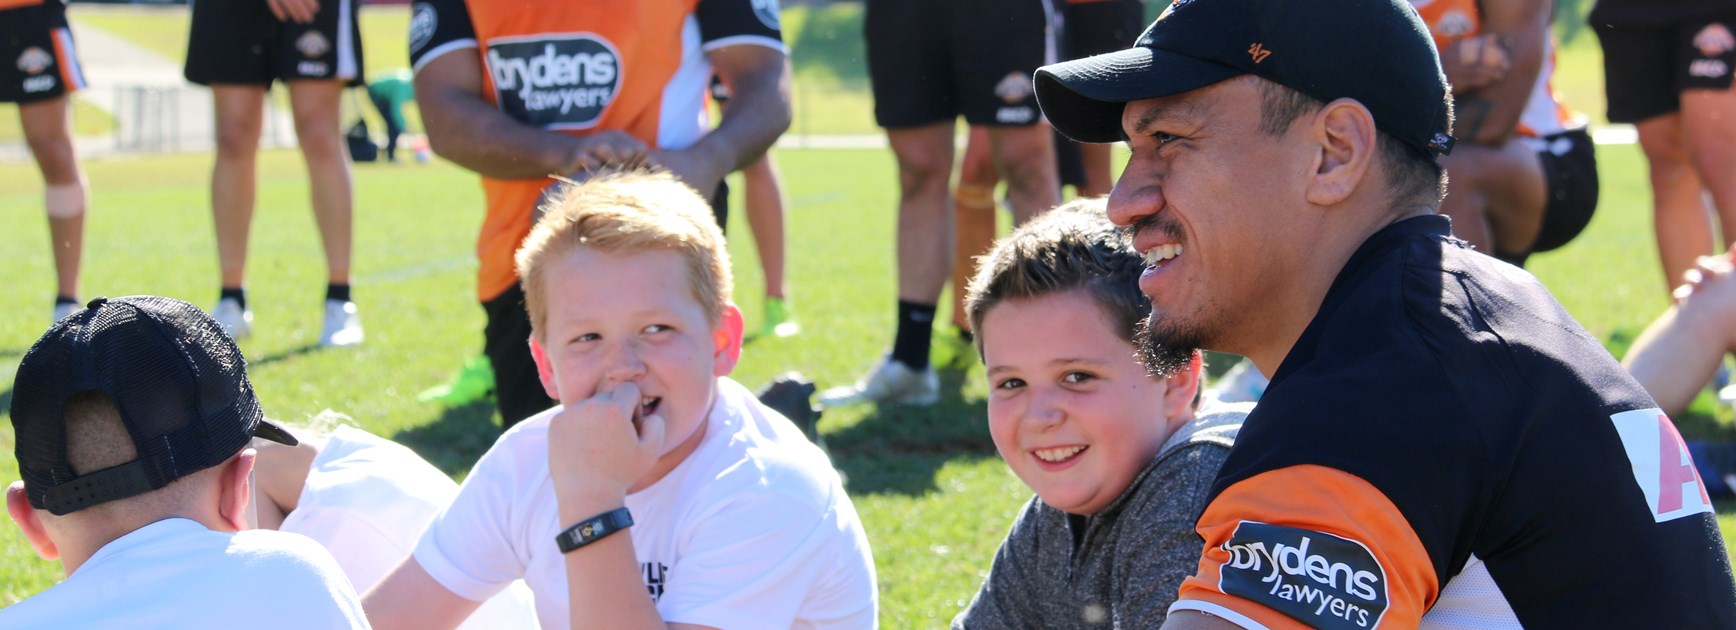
18	505
726	339
1348	139
1183	389
545	370
235	486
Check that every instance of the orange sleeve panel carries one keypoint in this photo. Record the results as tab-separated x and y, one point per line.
1310	546
13	4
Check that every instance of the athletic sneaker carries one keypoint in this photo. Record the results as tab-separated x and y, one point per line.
62	309
342	326
473	383
236	321
780	319
891	382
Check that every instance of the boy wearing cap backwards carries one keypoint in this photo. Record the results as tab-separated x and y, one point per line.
660	491
1120	464
132	419
1441	445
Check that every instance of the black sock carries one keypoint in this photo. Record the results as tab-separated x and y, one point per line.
339	292
239	295
915	330
62	299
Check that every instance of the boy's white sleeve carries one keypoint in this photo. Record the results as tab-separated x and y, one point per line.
753	562
473	547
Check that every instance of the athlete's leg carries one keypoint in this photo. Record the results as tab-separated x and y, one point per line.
765	218
973	214
924	157
318	130
1496	196
240	112
1679	216
1709	127
1025	158
1099	168
48	132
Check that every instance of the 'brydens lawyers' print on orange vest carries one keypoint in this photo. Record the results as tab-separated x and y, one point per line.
582	66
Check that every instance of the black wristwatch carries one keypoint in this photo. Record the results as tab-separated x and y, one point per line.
593	529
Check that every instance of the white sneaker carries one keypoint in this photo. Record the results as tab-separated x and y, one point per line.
61	311
342	326
236	321
890	382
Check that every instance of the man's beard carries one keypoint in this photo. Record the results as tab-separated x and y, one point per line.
1166	350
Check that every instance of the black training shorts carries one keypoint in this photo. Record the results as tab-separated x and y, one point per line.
1106	26
1646	69
37	59
241	42
930	61
1570	169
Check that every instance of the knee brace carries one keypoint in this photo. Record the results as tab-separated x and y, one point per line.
64	201
974	196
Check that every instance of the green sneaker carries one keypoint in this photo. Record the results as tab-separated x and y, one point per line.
780	319
473	383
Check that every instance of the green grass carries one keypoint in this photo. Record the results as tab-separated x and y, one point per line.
932	494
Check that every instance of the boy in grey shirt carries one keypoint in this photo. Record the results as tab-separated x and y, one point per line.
1119	460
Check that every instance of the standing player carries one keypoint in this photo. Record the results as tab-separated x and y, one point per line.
930	62
1088	27
1668	70
1523	178
763	192
238	47
1441	444
40	73
634	89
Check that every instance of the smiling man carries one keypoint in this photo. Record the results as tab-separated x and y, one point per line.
1441	443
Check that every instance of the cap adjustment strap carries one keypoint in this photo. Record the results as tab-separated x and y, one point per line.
108	484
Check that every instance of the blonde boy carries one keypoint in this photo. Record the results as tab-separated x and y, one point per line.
1119	461
736	520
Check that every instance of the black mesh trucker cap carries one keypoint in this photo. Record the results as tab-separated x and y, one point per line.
179	383
1378	52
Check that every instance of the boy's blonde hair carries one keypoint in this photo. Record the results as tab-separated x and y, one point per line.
620	211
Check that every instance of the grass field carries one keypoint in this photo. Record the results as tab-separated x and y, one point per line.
933	496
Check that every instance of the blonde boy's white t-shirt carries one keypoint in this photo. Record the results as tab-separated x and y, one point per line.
367	500
752	530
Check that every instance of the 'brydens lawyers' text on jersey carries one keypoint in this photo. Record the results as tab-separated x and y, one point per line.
1444	446
581	66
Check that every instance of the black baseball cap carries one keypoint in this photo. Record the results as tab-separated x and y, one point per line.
1377	52
176	378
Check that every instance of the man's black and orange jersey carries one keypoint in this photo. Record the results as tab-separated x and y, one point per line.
1444	446
581	66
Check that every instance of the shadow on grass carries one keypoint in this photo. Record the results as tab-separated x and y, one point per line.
284	354
6	400
899	449
7	353
454	441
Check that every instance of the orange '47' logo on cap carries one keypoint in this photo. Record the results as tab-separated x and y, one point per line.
1259	52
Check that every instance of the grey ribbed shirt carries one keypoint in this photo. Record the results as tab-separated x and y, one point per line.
1117	568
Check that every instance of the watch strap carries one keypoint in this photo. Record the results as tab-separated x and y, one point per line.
593	529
